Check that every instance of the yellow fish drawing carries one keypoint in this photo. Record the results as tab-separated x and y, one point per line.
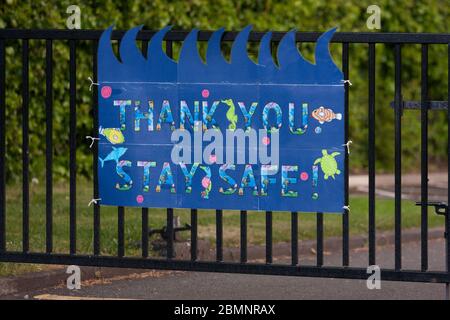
113	135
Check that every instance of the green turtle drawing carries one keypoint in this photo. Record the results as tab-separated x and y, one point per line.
328	164
231	114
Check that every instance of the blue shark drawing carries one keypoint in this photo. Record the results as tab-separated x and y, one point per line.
115	155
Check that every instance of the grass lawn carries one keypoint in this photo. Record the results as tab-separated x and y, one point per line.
157	218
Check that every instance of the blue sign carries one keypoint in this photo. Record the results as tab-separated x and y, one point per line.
220	134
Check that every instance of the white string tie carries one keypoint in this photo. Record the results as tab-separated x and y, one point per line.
92	140
94	201
347	81
346	208
347	145
92	83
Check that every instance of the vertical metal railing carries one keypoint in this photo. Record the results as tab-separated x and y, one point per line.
49	145
144	213
294	238
269	237
144	232
2	147
25	148
73	147
194	234
243	236
371	153
120	231
169	223
346	213
398	156
96	215
170	234
424	158
447	218
319	239
219	235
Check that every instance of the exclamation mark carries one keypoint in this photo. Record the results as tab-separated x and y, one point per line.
315	178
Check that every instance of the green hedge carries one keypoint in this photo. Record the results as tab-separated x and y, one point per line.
309	15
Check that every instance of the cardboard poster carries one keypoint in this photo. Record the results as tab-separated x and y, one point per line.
220	134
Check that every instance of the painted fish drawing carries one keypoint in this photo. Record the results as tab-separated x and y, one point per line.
323	115
113	135
115	155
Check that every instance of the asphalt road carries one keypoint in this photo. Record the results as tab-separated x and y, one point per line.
194	285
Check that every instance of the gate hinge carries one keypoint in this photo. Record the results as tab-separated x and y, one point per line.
440	208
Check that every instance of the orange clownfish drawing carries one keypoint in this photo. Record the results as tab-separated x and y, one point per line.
323	115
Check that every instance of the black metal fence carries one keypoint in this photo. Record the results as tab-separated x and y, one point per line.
344	270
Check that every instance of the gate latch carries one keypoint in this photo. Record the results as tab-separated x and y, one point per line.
440	208
165	234
431	105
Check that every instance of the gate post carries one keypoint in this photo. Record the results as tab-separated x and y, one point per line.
447	220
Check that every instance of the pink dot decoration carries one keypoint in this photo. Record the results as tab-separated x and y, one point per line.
304	176
212	158
206	182
205	93
265	141
106	92
140	199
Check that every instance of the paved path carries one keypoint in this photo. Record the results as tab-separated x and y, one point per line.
436	179
194	285
437	186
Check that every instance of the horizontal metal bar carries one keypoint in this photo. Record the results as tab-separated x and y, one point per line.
351	37
227	267
432	105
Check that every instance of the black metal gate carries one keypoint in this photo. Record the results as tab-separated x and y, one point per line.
397	40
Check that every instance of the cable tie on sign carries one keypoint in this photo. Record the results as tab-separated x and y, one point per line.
92	140
347	81
94	201
92	83
346	208
347	145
